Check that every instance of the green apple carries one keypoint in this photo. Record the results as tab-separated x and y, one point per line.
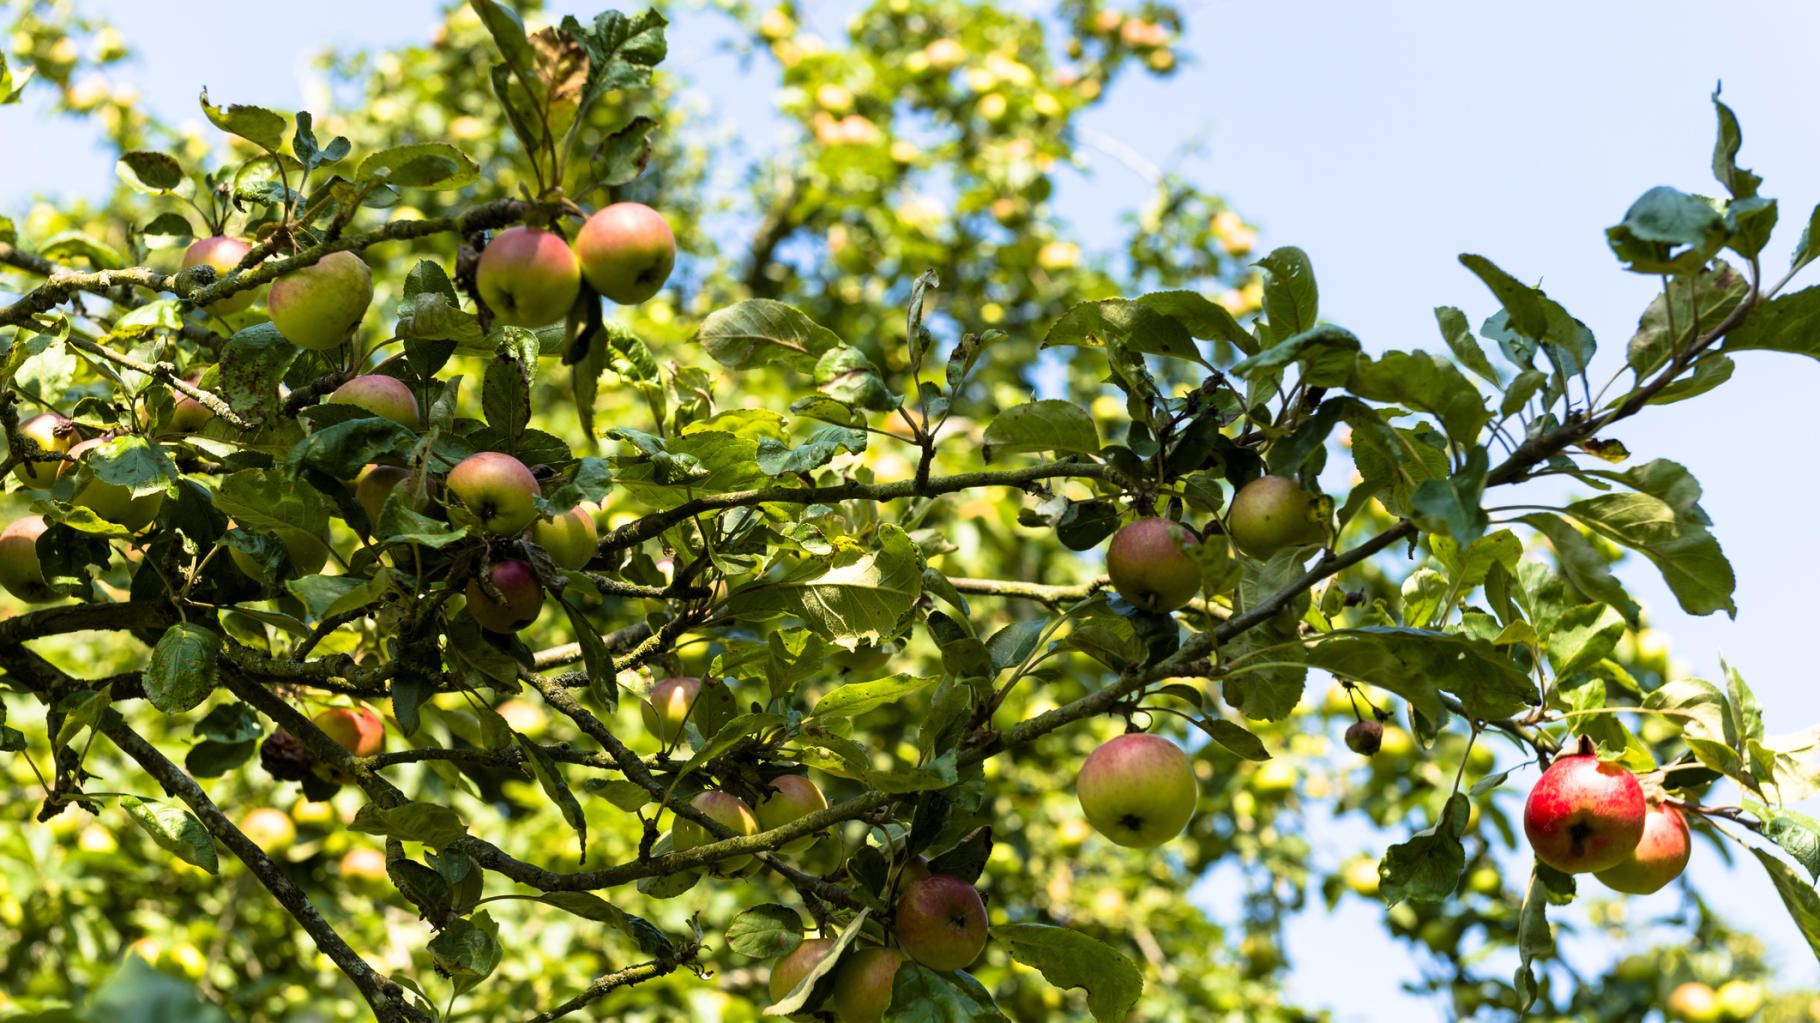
1740	999
627	251
21	573
223	254
788	798
1138	790
1272	513
189	415
789	971
1660	856
523	597
729	811
1584	815
570	539
54	435
529	277
668	707
863	983
270	828
1150	565
362	864
318	307
941	922
112	501
1693	1002
384	396
497	489
376	483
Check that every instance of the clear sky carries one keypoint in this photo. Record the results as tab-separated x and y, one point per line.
1384	140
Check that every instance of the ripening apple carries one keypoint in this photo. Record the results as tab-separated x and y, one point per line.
627	251
1150	566
569	539
384	396
363	863
359	730
376	483
1660	856
863	983
941	922
523	597
1584	815
21	573
668	707
270	829
189	415
1272	513
497	489
789	971
308	553
1138	790
54	435
529	277
223	254
318	306
788	798
1740	999
112	501
727	809
1693	1002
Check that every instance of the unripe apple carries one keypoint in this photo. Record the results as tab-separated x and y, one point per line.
1693	1002
189	415
528	276
1365	737
523	597
20	571
727	809
627	251
376	483
270	829
789	971
358	730
1660	856
1150	566
1138	790
384	396
1740	999
1584	815
112	501
497	490
223	254
318	307
1271	513
788	798
569	539
54	435
862	984
941	922
667	709
308	553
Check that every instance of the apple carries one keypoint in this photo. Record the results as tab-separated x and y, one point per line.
376	483
1740	999
363	863
269	828
1659	857
528	276
384	396
1272	513
941	922
189	415
359	730
727	809
667	709
223	254
1138	790
308	553
318	307
1365	737
1693	1002
112	501
789	971
496	489
1150	566
790	797
1584	815
862	984
569	539
517	583
627	251
914	869
54	435
20	571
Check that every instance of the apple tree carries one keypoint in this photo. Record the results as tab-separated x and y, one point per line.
466	558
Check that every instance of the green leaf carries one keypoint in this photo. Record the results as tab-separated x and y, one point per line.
1327	353
181	671
1427	868
257	125
1583	565
1534	938
1234	738
759	331
857	698
1458	335
549	776
804	992
1582	637
1788	323
175	830
1047	425
921	995
433	825
1796	833
1452	505
1140	327
1426	382
856	596
1705	718
151	173
1414	663
1798	897
466	951
1687	555
1291	300
438	166
1667	231
1200	317
765	931
1521	302
1742	184
1690	305
1068	958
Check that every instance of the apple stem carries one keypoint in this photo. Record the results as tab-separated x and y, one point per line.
1587	749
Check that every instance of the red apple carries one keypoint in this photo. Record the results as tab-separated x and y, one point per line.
941	922
54	435
627	251
112	501
318	306
1150	566
523	597
358	730
789	971
1584	815
569	539
667	709
863	983
21	573
384	396
223	254
727	809
1272	513
496	489
1659	857
528	277
1138	790
788	798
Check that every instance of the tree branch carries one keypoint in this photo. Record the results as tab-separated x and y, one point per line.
684	953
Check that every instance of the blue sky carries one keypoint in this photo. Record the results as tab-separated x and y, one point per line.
1384	140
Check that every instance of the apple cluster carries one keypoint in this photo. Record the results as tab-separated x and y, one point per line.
1587	816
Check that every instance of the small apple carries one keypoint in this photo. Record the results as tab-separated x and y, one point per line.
384	396
1150	566
667	709
363	863
1271	513
308	553
1740	999
790	797
863	983
223	254
54	435
270	829
627	251
1660	856
1365	737
941	922
569	539
1584	815
358	730
789	971
727	809
376	483
517	583
496	489
1693	1002
1138	790
318	307
529	277
112	501
20	571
